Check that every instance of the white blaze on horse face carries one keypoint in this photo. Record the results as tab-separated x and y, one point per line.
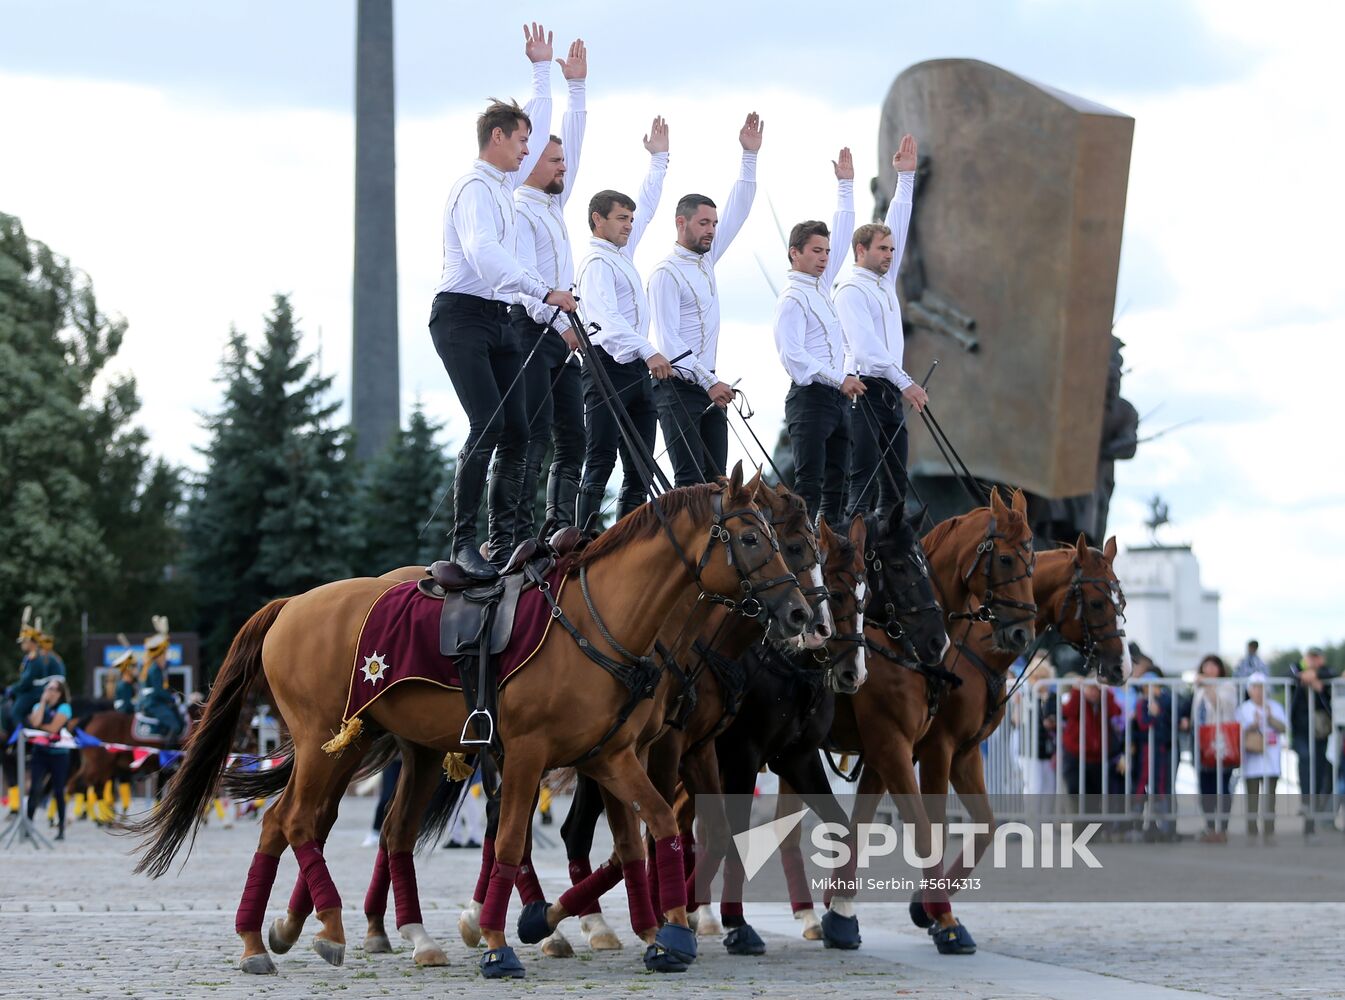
861	672
823	626
1127	667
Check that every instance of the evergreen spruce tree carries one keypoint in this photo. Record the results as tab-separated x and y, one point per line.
402	485
272	515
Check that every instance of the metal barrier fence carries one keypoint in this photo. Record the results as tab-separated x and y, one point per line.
1144	764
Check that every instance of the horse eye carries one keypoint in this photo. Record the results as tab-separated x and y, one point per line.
1006	560
1095	605
795	549
750	538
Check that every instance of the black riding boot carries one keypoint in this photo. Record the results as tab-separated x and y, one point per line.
504	503
588	503
527	506
468	485
562	488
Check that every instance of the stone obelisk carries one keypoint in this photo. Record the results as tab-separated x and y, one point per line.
375	383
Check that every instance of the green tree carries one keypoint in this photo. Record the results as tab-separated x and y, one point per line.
271	515
401	486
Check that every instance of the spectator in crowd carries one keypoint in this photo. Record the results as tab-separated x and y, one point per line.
50	715
1311	730
1085	711
1214	704
1156	727
1040	752
1262	721
1252	662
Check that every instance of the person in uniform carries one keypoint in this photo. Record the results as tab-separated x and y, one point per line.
20	697
123	695
156	698
617	309
811	346
551	376
866	300
469	319
684	322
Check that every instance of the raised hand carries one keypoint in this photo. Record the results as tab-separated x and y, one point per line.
657	139
537	43
575	66
904	160
750	134
845	166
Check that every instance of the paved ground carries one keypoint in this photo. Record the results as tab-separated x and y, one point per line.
78	924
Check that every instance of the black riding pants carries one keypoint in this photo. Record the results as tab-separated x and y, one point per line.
555	396
878	448
818	418
697	437
633	394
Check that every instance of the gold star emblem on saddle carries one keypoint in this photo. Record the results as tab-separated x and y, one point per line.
374	668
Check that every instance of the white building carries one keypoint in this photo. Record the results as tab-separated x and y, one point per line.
1169	613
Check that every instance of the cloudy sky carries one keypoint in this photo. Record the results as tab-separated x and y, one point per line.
196	158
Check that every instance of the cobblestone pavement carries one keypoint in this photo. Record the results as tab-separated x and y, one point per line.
79	924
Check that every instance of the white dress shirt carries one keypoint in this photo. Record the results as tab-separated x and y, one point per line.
683	293
868	306
480	229
808	333
610	291
543	239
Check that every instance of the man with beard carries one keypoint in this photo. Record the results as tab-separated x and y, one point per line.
870	314
684	322
469	317
551	376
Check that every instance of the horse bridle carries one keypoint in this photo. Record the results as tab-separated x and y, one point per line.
1092	639
892	614
985	557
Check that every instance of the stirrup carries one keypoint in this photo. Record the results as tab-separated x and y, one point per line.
467	725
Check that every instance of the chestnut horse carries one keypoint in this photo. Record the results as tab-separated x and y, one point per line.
981	564
1077	594
656	559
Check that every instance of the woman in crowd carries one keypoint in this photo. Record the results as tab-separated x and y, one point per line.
1214	704
1263	723
1154	722
50	714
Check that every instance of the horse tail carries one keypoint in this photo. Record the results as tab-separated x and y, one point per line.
442	809
261	784
193	785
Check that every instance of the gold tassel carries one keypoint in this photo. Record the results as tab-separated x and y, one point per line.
349	733
457	768
845	762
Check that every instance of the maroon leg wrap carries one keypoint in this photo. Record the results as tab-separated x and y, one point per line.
800	896
671	866
320	884
403	871
651	866
582	899
529	889
252	907
708	866
734	876
496	907
580	869
487	866
301	902
376	899
936	900
637	896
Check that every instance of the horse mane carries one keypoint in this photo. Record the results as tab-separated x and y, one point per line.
644	522
940	532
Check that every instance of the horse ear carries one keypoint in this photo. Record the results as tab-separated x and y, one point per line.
1019	502
824	533
754	484
996	502
859	532
736	479
895	516
1081	546
1109	550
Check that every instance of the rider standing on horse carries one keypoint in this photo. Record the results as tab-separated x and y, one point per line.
684	320
811	345
156	698
469	319
551	379
866	299
617	309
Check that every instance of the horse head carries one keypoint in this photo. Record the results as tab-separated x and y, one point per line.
803	555
846	583
1091	609
903	598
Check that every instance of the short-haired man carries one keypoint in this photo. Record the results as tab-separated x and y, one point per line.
1252	662
617	310
551	377
811	345
866	298
469	317
684	320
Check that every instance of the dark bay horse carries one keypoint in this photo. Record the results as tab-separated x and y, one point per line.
1078	595
654	560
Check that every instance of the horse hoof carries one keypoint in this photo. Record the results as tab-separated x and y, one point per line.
743	940
329	951
706	924
840	932
501	963
258	965
919	917
557	946
277	943
430	957
377	944
532	924
469	926
812	927
673	950
955	940
600	936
